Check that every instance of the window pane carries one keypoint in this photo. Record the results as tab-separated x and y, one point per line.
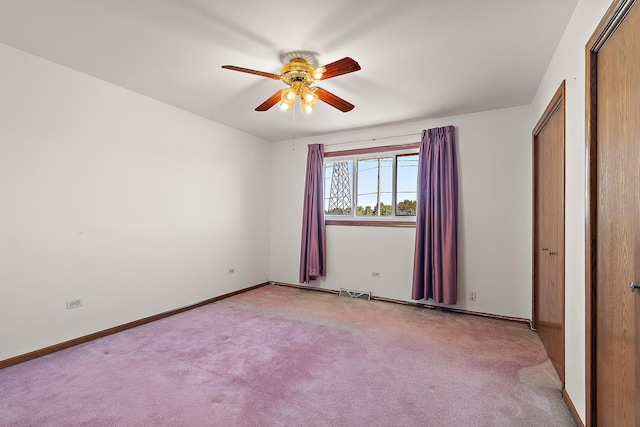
386	186
406	184
338	187
367	187
375	187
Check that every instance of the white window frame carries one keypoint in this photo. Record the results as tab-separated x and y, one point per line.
371	154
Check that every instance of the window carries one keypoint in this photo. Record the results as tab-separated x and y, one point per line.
366	186
406	184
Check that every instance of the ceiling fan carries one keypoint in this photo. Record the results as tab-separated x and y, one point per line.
299	75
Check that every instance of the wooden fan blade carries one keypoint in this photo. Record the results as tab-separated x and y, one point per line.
256	72
331	99
338	68
273	100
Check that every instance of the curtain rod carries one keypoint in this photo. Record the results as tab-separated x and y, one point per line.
372	139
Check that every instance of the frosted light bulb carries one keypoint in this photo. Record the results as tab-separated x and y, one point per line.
291	95
288	95
286	106
306	107
310	97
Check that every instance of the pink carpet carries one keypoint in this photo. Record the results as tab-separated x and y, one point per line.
279	356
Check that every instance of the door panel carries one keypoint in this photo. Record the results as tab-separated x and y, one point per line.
617	248
548	259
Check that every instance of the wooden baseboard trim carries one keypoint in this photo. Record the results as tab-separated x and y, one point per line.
306	288
456	310
100	334
416	304
572	408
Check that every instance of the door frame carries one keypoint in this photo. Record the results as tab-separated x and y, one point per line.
557	103
607	26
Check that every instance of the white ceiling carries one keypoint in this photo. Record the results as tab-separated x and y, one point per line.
419	59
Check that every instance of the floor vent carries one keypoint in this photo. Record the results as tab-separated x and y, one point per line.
355	294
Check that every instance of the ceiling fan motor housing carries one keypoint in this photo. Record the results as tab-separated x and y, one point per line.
298	70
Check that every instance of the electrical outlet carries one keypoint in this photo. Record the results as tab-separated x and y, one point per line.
232	270
472	295
375	274
74	303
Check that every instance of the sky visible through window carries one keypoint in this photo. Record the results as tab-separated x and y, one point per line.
368	181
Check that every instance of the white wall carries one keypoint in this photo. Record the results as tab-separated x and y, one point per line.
568	64
128	203
494	255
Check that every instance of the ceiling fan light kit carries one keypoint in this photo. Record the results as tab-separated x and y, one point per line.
299	75
308	98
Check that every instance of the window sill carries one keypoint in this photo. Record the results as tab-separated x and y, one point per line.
370	223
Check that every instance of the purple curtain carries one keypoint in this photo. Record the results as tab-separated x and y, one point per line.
435	258
313	250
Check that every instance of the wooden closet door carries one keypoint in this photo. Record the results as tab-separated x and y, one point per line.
548	230
617	314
